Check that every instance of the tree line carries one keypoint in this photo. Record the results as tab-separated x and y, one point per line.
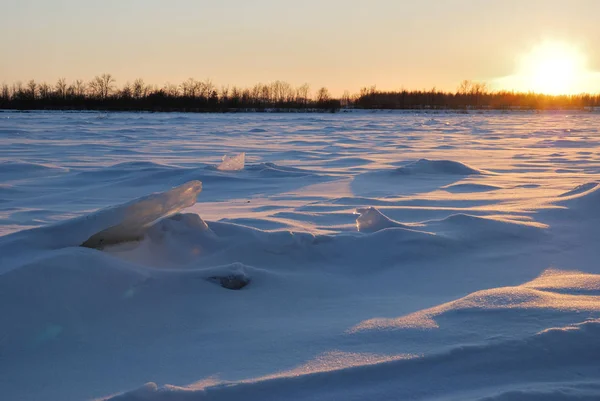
471	95
102	93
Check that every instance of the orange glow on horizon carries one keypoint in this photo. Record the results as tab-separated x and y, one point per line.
552	68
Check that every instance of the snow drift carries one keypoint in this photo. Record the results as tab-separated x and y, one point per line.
504	370
554	290
441	167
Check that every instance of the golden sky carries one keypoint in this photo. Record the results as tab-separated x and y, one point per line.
344	45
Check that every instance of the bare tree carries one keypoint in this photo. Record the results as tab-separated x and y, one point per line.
246	96
288	94
190	87
61	88
345	101
255	92
102	86
368	91
44	90
224	92
465	87
207	88
5	93
107	84
479	88
17	90
236	94
148	89
139	88
94	88
79	88
276	91
171	89
32	89
266	93
323	95
303	93
126	91
281	91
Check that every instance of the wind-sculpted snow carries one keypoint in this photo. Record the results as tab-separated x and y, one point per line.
274	170
553	291
482	229
397	255
582	201
12	170
557	362
443	167
584	194
462	188
466	228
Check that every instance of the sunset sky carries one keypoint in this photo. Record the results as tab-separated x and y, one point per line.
343	45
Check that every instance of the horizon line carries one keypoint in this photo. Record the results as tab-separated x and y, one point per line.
465	86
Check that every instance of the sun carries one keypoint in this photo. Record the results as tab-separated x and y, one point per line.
553	68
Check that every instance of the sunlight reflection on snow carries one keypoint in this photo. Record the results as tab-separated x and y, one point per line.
552	290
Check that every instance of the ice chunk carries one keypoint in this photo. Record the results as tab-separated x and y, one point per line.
370	220
107	226
232	163
129	221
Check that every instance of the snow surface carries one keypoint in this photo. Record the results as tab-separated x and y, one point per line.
382	255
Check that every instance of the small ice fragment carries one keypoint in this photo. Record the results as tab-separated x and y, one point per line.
371	220
233	163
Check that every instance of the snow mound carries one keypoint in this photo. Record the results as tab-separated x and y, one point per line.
470	187
465	227
554	290
580	391
108	226
54	296
233	163
567	282
545	363
18	169
370	220
274	170
580	189
439	167
147	392
584	199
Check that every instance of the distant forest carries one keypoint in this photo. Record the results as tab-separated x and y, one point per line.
102	93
